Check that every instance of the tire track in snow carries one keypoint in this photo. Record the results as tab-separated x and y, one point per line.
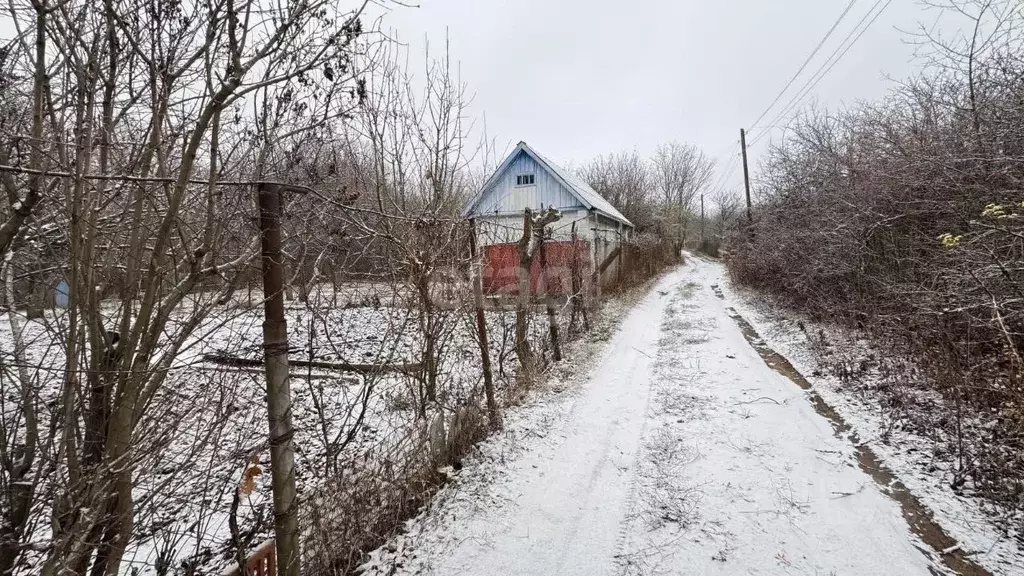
632	505
662	493
918	517
564	501
740	475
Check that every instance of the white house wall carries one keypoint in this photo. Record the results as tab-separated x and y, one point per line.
505	228
603	234
508	227
608	235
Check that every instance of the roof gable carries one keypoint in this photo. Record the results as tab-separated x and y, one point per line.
576	186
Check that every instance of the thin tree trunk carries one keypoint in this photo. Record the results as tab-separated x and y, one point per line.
549	300
523	351
578	307
428	326
481	329
529	244
20	491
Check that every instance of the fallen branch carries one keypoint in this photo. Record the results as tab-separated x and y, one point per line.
839	494
228	360
642	352
759	399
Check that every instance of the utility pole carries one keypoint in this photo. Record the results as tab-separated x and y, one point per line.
279	397
746	172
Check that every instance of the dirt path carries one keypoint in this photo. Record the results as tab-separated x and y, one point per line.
684	453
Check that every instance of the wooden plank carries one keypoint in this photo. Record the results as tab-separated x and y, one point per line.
228	360
607	262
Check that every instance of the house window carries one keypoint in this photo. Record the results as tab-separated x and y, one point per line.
524	180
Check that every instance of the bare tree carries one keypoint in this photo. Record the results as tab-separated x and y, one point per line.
899	218
529	246
625	181
139	119
682	173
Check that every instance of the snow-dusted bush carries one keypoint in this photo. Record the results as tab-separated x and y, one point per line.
901	218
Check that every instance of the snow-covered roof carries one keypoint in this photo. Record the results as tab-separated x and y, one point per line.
589	197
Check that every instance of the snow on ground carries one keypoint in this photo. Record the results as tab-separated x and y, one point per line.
994	542
209	421
481	485
326	407
680	453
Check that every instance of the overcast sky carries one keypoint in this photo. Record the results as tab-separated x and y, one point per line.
579	78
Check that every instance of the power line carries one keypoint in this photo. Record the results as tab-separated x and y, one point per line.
806	62
730	155
859	29
838	54
728	169
728	148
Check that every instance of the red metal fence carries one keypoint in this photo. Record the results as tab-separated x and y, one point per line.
501	267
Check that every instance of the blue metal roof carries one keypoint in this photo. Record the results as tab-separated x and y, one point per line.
575	185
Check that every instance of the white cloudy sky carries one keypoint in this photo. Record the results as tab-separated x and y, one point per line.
578	78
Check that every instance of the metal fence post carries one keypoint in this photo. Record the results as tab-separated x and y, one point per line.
279	399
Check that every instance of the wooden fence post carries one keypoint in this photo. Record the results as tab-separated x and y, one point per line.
619	272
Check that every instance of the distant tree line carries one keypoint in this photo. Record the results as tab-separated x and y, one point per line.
668	197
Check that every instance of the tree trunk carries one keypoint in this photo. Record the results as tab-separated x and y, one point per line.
578	306
20	458
481	329
549	301
523	351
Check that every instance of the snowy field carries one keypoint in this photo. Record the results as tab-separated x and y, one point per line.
209	422
681	452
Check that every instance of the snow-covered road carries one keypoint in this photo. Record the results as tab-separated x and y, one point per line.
682	453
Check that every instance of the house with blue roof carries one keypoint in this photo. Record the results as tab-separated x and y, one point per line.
526	179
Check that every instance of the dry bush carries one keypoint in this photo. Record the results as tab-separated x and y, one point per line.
901	219
358	509
644	257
